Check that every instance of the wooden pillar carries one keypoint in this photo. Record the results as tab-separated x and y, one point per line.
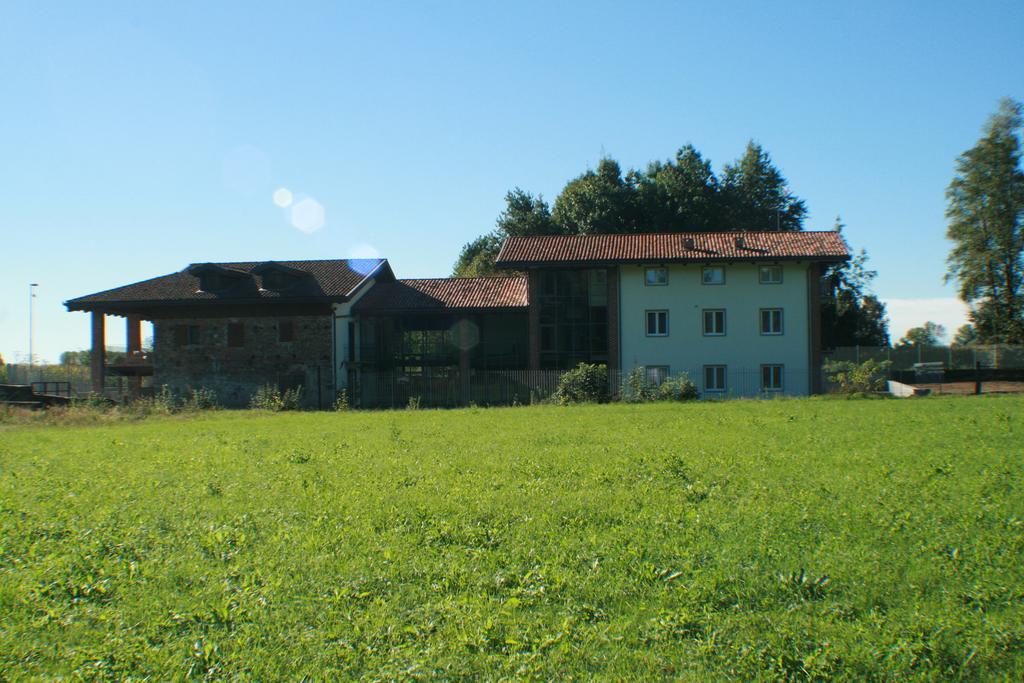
133	337
98	359
533	296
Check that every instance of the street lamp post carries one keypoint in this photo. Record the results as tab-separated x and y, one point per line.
31	300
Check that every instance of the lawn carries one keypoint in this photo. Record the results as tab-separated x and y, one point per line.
779	539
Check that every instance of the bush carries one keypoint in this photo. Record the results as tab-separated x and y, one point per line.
341	402
678	387
164	401
858	379
586	383
291	399
638	387
267	397
202	399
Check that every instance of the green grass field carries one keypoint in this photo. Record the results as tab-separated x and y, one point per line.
781	539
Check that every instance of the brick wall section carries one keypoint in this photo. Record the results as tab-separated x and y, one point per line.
235	373
613	320
533	287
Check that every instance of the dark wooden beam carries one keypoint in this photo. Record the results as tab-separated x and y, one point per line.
99	351
133	337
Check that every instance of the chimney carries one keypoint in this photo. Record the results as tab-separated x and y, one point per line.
741	242
688	244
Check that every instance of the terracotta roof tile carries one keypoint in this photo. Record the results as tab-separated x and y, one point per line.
445	294
519	252
326	280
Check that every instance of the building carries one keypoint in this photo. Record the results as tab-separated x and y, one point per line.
739	312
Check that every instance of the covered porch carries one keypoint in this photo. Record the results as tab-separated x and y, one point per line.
130	368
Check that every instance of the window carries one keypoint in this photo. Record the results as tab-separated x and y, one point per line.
714	378
771	321
186	335
714	323
657	323
236	334
771	378
286	331
654	277
713	275
770	275
656	374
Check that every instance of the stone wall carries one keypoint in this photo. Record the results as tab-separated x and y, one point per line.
235	373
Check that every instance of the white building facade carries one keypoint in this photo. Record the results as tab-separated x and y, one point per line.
738	312
738	329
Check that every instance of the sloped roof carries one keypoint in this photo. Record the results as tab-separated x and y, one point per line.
445	294
520	252
325	280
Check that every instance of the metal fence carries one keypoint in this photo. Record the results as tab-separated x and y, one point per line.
449	388
78	378
999	356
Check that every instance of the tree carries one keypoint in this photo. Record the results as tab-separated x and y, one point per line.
929	334
525	215
600	201
755	195
851	315
985	211
75	357
477	257
965	336
677	195
680	195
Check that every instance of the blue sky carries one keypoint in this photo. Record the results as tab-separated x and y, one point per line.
136	138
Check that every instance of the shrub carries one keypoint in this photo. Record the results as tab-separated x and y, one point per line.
678	387
164	401
267	397
586	383
638	387
857	379
341	402
94	401
202	399
291	399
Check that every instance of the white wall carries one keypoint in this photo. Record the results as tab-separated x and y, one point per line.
342	317
743	349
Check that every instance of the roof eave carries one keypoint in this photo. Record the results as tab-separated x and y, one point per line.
520	265
120	307
474	309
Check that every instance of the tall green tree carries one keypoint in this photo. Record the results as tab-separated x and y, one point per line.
477	257
677	195
600	201
985	211
524	215
755	195
929	334
851	315
965	335
680	195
